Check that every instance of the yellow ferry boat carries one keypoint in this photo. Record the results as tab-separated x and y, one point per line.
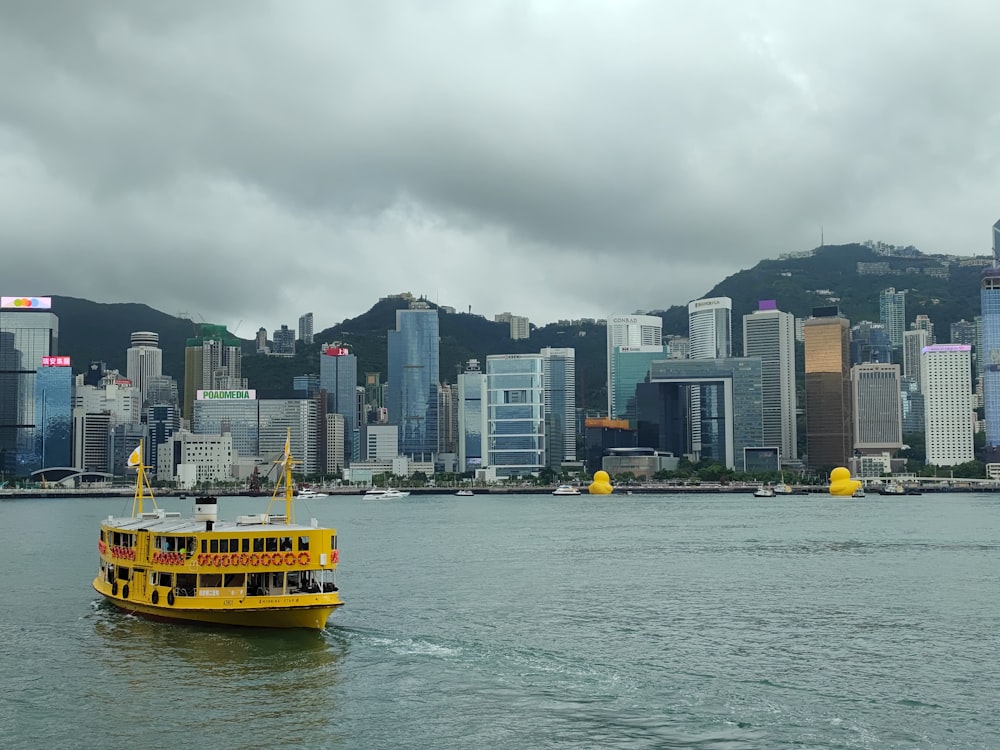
260	571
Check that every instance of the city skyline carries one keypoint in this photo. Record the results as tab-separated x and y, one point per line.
176	154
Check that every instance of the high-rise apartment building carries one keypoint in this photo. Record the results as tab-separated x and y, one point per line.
892	313
924	323
559	386
878	424
769	335
636	333
283	342
143	360
413	364
520	327
515	414
213	360
946	375
306	328
29	332
829	413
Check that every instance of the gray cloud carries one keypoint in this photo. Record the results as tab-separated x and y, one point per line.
252	161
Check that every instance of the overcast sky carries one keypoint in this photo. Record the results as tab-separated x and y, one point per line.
246	162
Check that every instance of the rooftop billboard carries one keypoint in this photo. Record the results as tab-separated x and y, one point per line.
237	395
27	303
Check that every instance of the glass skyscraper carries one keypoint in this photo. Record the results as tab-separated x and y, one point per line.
338	376
53	414
989	299
471	397
892	313
25	337
412	397
559	383
515	417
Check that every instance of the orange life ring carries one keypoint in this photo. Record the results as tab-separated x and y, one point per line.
303	558
244	559
216	560
201	559
289	558
254	560
265	559
335	555
225	561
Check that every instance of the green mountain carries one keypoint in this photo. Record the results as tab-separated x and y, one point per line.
849	276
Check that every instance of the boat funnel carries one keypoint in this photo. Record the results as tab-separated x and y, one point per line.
206	509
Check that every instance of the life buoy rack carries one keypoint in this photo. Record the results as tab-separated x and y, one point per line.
303	558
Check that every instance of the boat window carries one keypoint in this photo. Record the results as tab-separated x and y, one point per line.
224	545
286	544
210	580
277	581
258	544
102	535
164	579
303	543
333	542
233	580
234	545
123	574
185	584
204	545
245	544
214	545
171	544
271	543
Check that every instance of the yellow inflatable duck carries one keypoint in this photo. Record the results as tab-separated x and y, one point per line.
601	484
841	483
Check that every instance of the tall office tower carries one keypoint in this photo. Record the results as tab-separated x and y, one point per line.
306	328
769	334
710	336
515	417
413	379
91	440
162	389
162	421
53	414
989	354
945	377
870	343
261	340
970	332
892	313
878	423
29	331
631	368
519	325
373	391
212	361
338	376
144	360
924	323
829	417
559	386
634	333
308	383
447	420
912	405
335	447
283	342
471	416
913	343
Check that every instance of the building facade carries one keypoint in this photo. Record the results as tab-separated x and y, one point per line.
471	387
769	335
413	365
629	331
829	412
946	374
306	328
892	313
338	376
143	360
515	414
559	394
878	422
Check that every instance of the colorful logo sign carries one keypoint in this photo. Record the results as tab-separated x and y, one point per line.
27	303
250	395
335	351
52	361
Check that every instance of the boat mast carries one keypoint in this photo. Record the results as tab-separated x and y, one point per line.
142	487
286	462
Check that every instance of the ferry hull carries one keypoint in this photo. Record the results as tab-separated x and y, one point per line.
311	616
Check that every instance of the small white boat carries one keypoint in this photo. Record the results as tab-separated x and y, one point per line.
859	492
763	491
892	488
388	493
465	493
309	493
565	489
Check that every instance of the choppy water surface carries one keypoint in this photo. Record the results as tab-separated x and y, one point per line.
717	621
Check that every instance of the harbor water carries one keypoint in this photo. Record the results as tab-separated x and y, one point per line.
645	621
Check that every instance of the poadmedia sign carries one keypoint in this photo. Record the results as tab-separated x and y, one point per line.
246	395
